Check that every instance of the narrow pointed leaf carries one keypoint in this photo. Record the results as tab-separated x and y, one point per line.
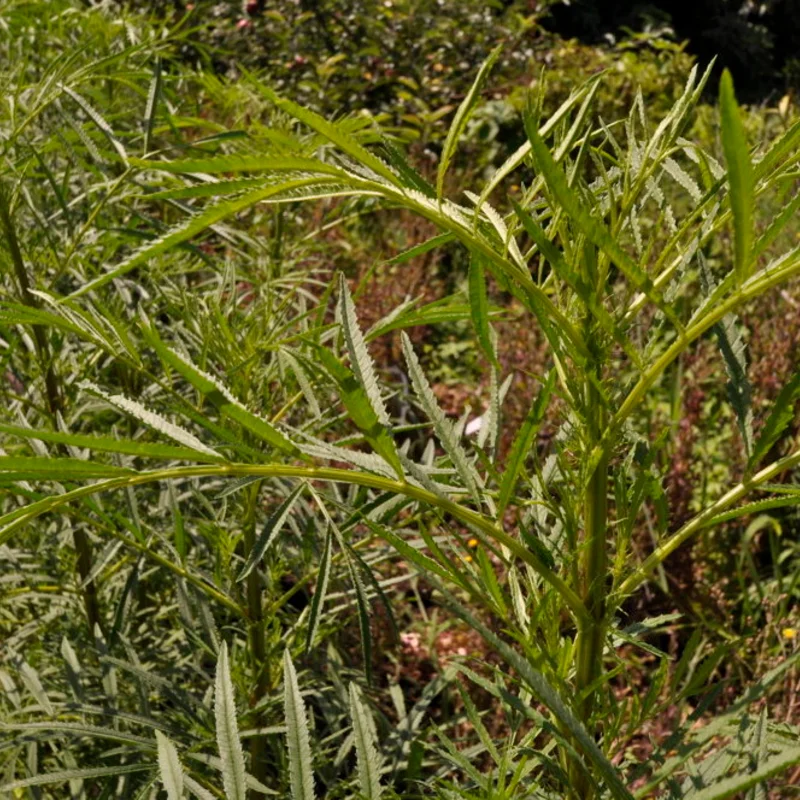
548	696
334	133
593	228
195	224
301	778
235	163
781	416
270	530
441	425
479	307
19	468
98	120
461	118
360	359
153	94
740	176
318	601
735	785
523	443
30	677
153	420
367	760
360	409
230	748
169	767
110	445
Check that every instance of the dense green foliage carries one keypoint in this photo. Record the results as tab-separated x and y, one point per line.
244	559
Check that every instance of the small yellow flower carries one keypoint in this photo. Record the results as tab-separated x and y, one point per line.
789	633
473	543
468	559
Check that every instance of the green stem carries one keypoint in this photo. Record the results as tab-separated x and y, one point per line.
594	571
16	519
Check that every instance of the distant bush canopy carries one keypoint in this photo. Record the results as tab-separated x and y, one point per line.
758	42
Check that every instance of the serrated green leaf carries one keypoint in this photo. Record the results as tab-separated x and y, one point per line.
270	530
787	215
301	778
367	760
110	445
65	776
360	360
230	748
740	176
98	120
195	224
441	425
334	133
169	767
153	420
592	227
360	410
729	787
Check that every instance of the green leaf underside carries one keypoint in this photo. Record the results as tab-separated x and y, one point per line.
301	778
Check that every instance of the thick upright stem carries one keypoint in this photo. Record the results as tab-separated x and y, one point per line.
258	653
594	569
